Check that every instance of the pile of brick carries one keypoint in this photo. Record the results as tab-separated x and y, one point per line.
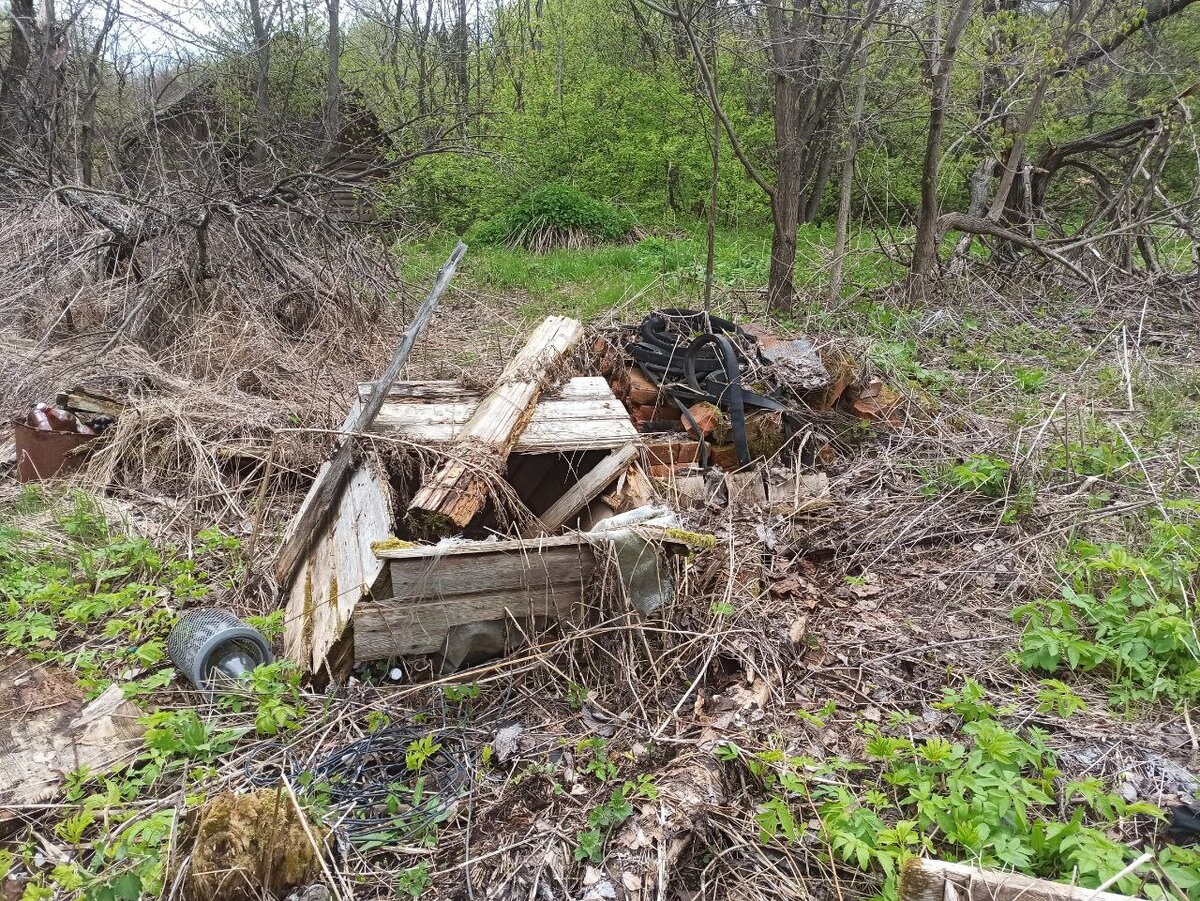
673	440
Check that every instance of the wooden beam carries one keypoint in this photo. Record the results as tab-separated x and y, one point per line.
82	400
458	490
338	570
588	488
327	488
939	880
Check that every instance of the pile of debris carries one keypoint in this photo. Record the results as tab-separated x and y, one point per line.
712	392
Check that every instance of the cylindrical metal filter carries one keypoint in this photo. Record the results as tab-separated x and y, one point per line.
208	645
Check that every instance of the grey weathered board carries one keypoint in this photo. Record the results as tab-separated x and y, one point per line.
338	569
582	414
939	880
438	588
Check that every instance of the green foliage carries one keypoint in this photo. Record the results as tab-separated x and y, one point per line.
274	691
413	881
991	796
1057	697
980	474
594	759
553	217
1029	379
1126	614
419	752
605	817
458	694
91	597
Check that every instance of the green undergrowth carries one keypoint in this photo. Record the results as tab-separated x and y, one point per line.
553	218
993	795
81	593
665	267
1126	615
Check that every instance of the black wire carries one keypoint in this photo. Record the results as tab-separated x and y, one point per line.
370	779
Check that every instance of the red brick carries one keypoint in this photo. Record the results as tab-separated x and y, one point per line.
674	453
641	390
707	416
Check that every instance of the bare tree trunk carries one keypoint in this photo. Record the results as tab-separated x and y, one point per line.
262	81
87	112
816	192
787	202
18	83
710	257
462	56
333	81
847	182
941	64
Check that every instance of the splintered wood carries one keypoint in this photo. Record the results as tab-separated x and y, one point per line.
939	880
459	489
338	570
46	731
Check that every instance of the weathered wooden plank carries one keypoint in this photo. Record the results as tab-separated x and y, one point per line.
588	487
459	489
458	574
583	414
939	880
438	588
339	569
479	548
581	387
46	731
538	438
386	629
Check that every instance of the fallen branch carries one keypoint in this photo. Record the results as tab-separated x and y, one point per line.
977	225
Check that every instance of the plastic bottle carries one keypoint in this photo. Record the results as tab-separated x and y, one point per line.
37	419
61	420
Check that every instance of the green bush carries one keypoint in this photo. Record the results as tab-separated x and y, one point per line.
553	218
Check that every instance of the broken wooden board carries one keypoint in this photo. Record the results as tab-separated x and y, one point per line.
634	489
338	570
588	487
82	400
437	588
583	414
323	495
47	731
745	490
939	880
452	496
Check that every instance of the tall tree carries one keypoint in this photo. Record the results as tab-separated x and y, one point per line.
939	65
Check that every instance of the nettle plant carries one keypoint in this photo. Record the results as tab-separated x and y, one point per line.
992	797
1126	614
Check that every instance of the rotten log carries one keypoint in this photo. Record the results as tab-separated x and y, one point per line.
645	852
459	489
327	488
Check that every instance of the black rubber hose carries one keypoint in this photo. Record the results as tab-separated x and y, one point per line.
683	411
731	390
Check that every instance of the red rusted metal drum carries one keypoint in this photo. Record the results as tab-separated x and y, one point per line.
43	454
